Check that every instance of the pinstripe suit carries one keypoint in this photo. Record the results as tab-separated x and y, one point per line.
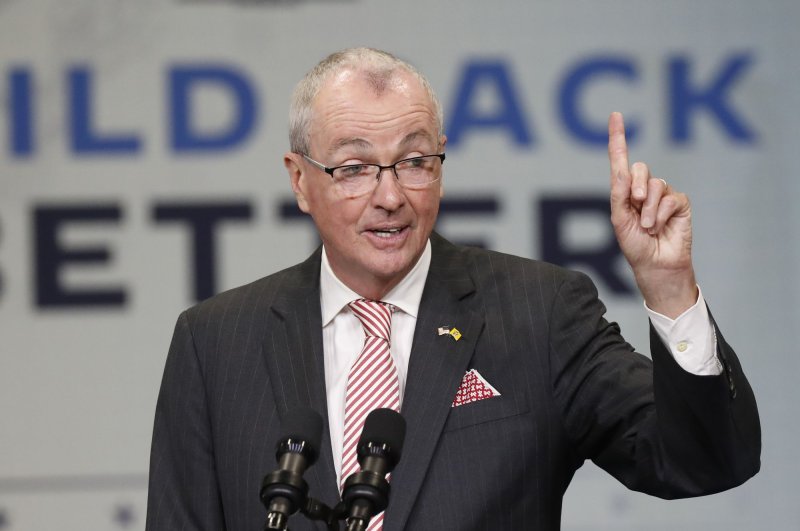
572	389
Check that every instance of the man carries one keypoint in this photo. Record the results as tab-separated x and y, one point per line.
561	384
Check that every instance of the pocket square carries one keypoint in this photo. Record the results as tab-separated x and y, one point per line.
473	387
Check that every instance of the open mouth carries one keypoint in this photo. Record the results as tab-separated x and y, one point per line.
386	233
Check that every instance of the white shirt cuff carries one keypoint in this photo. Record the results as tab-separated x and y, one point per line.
690	338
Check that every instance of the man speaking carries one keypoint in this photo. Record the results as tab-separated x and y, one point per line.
504	368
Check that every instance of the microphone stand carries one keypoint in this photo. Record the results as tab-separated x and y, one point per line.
365	494
318	511
312	509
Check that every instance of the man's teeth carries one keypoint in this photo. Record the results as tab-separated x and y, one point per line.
385	233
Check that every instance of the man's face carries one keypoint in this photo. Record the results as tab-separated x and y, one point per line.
372	240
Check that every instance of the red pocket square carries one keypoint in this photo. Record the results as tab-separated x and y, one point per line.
473	388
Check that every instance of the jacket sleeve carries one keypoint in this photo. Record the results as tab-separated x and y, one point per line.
183	490
655	427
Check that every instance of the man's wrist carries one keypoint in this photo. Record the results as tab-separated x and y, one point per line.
669	294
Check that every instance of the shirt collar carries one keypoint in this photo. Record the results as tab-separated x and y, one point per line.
335	295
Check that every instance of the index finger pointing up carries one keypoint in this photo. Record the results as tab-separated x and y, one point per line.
617	146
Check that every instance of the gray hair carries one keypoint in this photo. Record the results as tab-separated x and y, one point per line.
378	67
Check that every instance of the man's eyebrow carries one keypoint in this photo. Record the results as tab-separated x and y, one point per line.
412	137
364	145
358	143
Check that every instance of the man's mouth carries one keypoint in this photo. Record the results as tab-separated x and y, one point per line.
387	233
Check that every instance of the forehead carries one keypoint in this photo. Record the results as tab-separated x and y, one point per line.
372	110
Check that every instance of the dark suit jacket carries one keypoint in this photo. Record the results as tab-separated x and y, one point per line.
572	389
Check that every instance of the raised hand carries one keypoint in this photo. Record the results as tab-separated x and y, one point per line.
653	225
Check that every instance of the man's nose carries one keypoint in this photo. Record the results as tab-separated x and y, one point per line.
388	193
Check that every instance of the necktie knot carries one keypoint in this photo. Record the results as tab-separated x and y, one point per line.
375	317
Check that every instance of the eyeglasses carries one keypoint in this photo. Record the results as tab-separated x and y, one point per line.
414	173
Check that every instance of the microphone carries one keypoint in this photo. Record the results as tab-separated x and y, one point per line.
284	491
366	493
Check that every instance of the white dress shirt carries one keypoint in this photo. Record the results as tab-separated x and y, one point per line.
690	337
343	337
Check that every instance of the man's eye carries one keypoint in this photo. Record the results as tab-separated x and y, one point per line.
353	171
415	163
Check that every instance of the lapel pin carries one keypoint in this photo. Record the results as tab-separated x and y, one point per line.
447	331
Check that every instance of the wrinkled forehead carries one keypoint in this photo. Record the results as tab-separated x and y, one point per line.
379	99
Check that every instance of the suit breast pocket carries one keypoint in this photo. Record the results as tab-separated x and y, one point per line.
483	411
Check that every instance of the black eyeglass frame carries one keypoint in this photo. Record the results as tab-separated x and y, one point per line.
392	167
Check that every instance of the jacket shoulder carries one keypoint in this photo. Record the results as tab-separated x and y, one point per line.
256	297
489	268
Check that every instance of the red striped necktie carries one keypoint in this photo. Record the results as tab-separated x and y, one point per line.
371	384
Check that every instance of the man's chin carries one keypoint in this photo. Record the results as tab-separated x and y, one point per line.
391	267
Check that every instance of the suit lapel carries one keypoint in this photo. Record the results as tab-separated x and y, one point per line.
295	362
437	365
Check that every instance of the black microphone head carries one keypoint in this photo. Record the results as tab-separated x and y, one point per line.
302	434
384	431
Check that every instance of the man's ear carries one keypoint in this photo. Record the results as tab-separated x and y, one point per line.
442	144
297	178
